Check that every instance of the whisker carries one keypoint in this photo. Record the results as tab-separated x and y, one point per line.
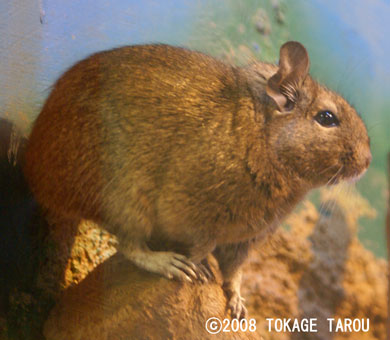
333	203
324	208
334	177
326	169
374	125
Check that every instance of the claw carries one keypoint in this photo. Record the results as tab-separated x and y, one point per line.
207	270
186	266
202	273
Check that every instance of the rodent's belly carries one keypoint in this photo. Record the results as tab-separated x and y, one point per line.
198	236
243	231
199	222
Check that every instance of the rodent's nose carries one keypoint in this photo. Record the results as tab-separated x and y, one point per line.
368	158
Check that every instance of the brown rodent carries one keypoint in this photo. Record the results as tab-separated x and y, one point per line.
180	155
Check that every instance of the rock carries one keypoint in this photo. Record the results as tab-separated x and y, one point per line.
119	301
319	269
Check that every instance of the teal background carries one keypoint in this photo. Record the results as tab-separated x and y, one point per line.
347	42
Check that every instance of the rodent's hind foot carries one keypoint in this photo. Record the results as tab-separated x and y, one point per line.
168	264
236	306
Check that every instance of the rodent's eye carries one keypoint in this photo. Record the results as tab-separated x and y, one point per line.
327	119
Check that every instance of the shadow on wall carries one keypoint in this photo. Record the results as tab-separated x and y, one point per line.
16	211
22	231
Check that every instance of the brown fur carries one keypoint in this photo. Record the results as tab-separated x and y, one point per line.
173	150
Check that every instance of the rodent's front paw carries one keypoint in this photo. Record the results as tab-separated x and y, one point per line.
173	265
236	306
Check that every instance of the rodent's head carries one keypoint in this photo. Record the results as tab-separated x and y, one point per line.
313	131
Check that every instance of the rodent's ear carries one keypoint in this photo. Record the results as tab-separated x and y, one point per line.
284	85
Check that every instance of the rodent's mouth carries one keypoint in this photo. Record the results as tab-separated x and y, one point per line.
349	176
356	164
356	177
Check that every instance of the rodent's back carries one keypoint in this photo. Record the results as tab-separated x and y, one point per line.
116	120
